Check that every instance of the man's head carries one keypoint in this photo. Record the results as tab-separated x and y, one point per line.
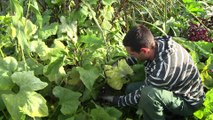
140	43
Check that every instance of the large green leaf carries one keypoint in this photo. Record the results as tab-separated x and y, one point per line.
91	40
116	76
55	71
35	105
108	2
112	111
29	103
8	66
29	29
35	8
204	47
74	77
69	28
100	114
26	101
68	99
58	49
49	30
40	48
5	81
105	113
27	81
2	105
206	77
17	8
20	30
35	66
206	111
88	76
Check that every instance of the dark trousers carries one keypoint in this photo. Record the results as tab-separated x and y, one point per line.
155	101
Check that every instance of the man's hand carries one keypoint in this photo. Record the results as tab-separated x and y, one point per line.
106	96
109	100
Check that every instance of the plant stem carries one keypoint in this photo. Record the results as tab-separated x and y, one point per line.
153	26
5	115
2	54
28	9
165	13
100	29
23	58
181	4
94	18
51	115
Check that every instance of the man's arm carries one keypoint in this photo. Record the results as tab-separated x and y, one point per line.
129	99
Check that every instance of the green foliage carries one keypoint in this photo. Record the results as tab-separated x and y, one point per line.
26	101
88	76
206	111
117	75
68	99
108	113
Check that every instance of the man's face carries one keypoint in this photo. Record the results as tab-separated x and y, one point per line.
139	55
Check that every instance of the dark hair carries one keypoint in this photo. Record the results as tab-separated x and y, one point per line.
138	37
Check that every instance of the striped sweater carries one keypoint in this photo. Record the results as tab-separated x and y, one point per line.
172	69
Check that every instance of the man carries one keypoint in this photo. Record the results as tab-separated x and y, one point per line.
172	80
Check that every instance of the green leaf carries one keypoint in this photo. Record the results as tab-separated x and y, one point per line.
116	76
91	40
40	48
112	111
17	8
27	81
206	111
55	71
92	2
204	47
124	68
108	13
74	76
100	114
2	105
5	81
108	113
12	102
8	64
30	29
68	99
88	76
48	30
210	117
56	1
108	2
35	8
29	103
20	32
35	66
199	114
188	1
69	29
106	25
35	105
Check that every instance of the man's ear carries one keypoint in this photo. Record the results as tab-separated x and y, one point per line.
144	50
